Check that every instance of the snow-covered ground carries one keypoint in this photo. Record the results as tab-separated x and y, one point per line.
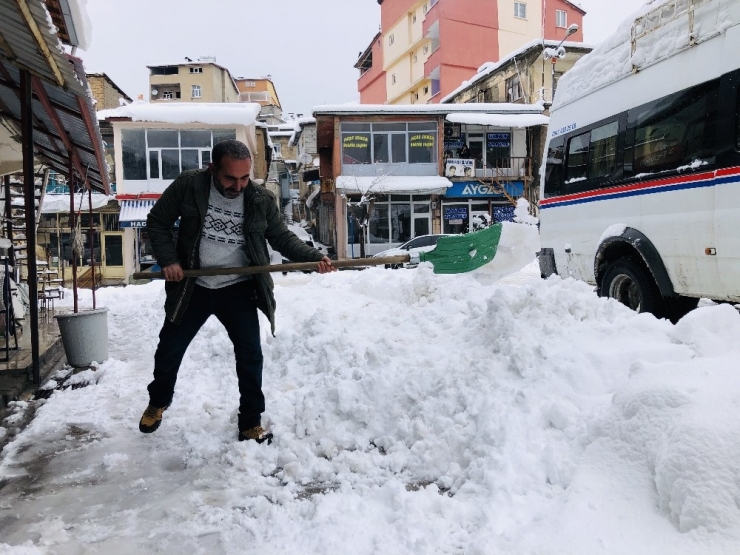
491	412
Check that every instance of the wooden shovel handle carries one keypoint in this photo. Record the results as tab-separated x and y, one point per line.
290	267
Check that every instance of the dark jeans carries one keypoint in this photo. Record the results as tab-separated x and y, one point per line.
236	309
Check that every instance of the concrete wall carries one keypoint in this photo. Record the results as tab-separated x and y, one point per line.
215	84
371	84
516	32
552	32
105	94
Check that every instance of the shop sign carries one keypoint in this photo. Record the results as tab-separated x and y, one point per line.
140	224
458	143
422	140
460	167
356	141
456	214
498	140
476	189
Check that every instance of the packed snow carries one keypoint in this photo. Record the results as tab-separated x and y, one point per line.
490	412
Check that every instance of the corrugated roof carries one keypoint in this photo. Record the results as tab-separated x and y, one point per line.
64	115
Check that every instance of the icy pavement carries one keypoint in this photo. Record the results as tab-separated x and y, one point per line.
490	412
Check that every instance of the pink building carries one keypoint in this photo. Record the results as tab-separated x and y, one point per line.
426	48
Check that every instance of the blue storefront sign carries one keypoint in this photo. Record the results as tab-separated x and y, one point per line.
455	143
476	189
498	140
457	213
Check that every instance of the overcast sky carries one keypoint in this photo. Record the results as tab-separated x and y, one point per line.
309	47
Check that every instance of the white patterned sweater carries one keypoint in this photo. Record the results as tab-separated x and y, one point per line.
222	243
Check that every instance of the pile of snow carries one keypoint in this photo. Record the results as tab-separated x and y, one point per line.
413	413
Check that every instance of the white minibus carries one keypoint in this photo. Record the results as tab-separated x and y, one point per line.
640	187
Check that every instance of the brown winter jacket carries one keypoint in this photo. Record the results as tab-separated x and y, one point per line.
187	198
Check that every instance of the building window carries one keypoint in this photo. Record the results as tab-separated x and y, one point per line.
393	79
520	10
426	48
164	153
196	70
167	95
196	91
389	143
416	58
561	19
425	8
391	39
513	89
277	150
426	90
413	18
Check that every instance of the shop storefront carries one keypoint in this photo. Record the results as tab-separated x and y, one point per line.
401	209
132	222
470	205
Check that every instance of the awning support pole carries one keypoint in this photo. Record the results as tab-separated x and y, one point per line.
72	228
92	243
29	188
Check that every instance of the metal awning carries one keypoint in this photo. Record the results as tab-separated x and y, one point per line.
500	120
384	184
134	212
64	121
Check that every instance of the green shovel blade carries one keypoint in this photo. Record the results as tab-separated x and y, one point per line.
458	254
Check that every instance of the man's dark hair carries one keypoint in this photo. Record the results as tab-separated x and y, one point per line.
230	148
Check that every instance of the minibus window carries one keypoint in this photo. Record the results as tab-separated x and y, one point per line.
737	122
554	167
676	131
577	167
603	150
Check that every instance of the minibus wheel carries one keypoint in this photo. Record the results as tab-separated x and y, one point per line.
678	307
632	285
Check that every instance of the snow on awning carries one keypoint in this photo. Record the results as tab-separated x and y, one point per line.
312	196
227	113
500	120
134	212
53	204
423	185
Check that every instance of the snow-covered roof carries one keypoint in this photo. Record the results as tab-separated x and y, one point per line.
241	113
489	67
500	120
54	203
435	109
298	124
432	184
82	23
613	59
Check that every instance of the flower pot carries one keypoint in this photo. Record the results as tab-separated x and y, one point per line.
84	336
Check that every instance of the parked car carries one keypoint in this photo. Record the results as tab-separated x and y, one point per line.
422	243
306	238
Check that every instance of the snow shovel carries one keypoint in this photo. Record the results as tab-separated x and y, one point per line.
455	254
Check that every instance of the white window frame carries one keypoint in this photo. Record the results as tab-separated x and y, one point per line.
168	95
196	92
196	70
561	15
391	39
426	48
520	10
425	8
